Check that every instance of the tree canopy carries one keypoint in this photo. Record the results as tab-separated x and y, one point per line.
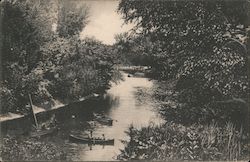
200	44
49	64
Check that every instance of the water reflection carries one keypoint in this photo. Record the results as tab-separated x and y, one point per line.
120	104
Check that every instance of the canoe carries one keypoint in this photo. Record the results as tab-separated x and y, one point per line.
91	141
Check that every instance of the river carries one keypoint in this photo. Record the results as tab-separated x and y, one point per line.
125	109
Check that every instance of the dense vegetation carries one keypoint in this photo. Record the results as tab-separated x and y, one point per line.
198	49
44	56
175	142
30	150
201	45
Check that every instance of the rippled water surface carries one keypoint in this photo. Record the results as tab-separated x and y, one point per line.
122	104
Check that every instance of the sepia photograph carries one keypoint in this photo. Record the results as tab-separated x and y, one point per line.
122	80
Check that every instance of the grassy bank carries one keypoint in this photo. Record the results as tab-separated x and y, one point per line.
176	142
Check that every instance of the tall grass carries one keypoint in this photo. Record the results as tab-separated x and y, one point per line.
176	142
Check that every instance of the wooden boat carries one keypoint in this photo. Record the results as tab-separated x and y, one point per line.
91	140
40	133
103	119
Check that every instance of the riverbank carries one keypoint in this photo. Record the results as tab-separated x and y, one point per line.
38	109
18	121
173	141
18	144
186	134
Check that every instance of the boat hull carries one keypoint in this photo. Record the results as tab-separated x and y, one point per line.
106	122
91	141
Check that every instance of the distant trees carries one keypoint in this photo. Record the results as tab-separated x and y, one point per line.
132	49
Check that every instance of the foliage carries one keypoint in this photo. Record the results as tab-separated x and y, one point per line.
167	98
72	18
132	49
7	99
24	30
201	45
30	150
39	61
176	142
217	77
81	67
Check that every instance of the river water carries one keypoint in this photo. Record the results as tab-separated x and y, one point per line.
125	109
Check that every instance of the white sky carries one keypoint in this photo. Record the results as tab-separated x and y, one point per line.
105	22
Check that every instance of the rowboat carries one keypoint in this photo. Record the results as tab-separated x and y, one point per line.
91	140
103	119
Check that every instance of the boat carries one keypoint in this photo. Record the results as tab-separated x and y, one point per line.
103	119
91	140
40	133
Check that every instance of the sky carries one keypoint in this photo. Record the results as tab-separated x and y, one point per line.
105	22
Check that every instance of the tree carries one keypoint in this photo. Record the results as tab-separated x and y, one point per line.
201	44
132	49
72	18
185	28
24	30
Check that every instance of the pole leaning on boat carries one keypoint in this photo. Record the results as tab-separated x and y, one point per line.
33	113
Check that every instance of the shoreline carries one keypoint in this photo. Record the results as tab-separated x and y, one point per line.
40	110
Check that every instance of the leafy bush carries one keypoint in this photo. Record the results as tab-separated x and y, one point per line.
181	111
220	76
80	68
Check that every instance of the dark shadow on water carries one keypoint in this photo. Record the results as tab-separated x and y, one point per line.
68	118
